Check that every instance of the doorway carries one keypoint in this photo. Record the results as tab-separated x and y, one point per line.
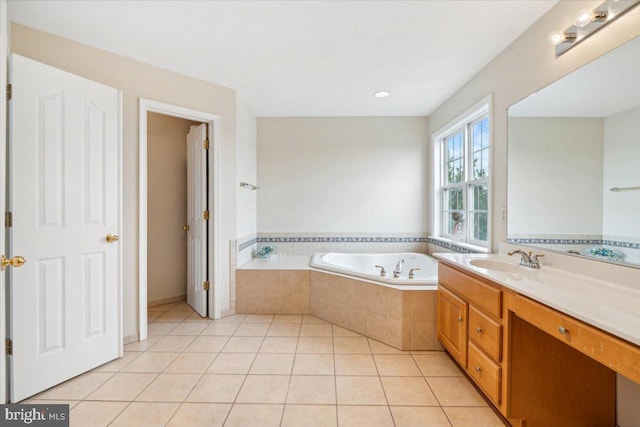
182	115
167	208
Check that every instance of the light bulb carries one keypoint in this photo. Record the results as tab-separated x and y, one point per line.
584	17
555	38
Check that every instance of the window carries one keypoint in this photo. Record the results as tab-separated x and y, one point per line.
462	178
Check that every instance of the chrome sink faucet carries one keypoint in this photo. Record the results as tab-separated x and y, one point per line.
398	269
527	259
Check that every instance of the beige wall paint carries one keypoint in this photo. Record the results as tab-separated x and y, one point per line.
138	80
342	174
527	65
167	206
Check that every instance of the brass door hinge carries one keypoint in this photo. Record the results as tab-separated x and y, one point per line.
8	346
205	215
8	219
205	144
9	91
205	285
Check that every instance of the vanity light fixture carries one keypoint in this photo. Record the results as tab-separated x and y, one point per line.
588	22
384	93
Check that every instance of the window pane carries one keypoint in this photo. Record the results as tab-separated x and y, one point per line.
454	155
479	213
479	146
476	136
485	132
452	199
479	226
479	197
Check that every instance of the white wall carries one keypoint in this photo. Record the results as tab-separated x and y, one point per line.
347	174
246	169
622	169
138	80
527	65
555	175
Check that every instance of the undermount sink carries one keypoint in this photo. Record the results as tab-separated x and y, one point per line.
493	265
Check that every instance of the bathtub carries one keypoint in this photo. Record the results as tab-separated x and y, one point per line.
362	265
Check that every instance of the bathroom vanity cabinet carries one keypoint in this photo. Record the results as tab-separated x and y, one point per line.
537	365
469	326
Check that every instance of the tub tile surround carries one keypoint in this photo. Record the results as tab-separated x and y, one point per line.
403	319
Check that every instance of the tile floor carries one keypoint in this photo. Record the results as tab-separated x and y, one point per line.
264	370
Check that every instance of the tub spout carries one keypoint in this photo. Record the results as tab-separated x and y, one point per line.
398	269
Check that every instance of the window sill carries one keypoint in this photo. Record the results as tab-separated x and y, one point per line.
463	245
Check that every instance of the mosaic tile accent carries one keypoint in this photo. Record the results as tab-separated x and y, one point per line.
452	246
615	243
247	244
358	239
361	239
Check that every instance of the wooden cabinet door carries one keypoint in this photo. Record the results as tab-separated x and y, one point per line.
452	324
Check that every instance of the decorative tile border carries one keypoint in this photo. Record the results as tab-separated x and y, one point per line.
534	241
451	246
359	239
247	244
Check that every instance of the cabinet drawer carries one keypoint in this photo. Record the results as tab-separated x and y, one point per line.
607	349
476	292
486	333
485	372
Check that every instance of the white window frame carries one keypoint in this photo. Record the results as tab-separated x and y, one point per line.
462	122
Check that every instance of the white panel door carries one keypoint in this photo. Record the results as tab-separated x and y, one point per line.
64	180
196	206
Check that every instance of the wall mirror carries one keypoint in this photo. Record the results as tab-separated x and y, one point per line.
574	162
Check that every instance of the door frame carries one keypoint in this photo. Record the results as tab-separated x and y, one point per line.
4	57
150	106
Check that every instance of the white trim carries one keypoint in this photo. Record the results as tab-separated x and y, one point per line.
146	106
484	106
4	58
120	226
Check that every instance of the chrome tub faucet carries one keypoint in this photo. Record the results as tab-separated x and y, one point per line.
398	269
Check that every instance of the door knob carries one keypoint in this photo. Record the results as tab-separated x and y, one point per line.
16	261
112	238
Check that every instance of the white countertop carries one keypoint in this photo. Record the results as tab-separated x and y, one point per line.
278	262
609	306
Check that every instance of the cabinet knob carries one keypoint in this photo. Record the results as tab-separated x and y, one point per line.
459	319
563	330
479	329
478	369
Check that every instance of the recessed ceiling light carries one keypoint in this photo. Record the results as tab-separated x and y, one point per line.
381	94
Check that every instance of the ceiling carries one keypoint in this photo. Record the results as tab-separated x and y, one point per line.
602	88
302	58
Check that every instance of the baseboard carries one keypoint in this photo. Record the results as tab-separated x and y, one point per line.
228	312
169	300
131	338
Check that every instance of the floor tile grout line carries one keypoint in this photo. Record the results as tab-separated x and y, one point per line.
290	374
